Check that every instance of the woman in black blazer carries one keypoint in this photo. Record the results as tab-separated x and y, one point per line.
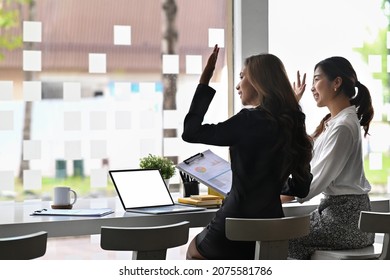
269	150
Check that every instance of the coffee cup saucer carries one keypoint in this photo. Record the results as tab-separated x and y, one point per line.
61	206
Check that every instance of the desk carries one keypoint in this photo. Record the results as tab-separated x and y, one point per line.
15	217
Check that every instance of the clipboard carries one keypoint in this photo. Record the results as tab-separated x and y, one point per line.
209	169
93	212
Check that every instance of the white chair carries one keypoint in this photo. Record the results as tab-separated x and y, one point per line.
376	222
271	235
24	247
147	243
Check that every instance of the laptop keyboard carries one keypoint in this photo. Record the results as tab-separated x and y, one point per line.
165	209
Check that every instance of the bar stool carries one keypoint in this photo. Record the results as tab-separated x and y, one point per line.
377	222
23	247
271	235
147	243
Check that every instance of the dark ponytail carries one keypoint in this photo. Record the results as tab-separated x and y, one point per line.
363	104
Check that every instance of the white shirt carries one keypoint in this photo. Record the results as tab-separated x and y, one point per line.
337	164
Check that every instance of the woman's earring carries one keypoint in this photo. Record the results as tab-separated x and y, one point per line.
335	89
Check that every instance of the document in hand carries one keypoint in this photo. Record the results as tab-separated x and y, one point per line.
93	212
209	169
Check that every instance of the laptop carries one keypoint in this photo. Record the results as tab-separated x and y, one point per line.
144	191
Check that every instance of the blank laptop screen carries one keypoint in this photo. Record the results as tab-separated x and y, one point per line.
141	188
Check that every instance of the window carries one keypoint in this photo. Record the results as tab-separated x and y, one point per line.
84	91
303	37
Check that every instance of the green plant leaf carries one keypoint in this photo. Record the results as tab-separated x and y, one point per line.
165	165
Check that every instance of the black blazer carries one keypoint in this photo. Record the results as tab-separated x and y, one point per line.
256	186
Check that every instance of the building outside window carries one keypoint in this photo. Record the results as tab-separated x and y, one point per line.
94	85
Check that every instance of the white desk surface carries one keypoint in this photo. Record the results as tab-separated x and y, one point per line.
15	218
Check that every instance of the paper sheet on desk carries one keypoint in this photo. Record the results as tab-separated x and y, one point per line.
209	169
93	212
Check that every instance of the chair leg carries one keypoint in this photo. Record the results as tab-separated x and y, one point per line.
150	255
385	247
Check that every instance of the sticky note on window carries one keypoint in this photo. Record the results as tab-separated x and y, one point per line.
32	61
98	149
7	182
72	120
123	120
216	36
72	150
149	146
32	31
72	91
6	120
122	35
98	120
6	90
170	64
98	178
97	63
32	90
31	149
32	179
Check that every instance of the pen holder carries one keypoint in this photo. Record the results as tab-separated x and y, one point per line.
191	188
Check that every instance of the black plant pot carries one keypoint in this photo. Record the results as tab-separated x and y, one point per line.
191	188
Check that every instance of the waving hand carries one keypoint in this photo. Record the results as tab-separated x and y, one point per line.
300	86
210	66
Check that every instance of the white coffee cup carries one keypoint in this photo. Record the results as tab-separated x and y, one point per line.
62	196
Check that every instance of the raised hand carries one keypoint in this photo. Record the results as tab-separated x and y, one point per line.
300	87
210	66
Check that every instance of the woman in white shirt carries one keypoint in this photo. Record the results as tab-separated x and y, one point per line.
337	164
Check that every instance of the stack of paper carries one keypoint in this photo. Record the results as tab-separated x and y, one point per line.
202	200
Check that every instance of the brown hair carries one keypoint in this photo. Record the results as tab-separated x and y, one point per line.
337	66
268	76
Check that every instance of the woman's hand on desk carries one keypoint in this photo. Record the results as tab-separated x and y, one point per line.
286	198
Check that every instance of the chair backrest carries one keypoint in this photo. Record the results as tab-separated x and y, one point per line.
271	235
147	243
24	247
377	222
380	205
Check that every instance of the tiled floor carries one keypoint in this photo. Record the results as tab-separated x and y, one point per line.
88	248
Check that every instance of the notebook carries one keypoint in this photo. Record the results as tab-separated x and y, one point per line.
144	191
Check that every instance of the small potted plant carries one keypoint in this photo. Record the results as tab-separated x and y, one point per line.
165	165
